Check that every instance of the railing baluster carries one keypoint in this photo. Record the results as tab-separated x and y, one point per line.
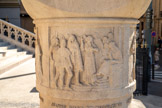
23	37
9	31
16	35
30	41
1	27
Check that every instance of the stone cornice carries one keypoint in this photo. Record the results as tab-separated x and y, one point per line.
105	8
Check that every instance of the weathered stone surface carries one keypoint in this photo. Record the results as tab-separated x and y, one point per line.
86	58
86	8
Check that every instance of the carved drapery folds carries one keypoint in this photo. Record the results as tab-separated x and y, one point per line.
132	57
81	61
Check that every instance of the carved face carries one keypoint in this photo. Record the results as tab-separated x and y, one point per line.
72	38
110	36
63	43
89	39
57	41
105	40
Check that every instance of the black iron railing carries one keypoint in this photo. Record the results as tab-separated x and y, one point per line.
142	70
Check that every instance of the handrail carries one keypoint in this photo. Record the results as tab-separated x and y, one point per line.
17	35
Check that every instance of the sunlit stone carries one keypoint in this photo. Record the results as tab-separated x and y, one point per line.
85	51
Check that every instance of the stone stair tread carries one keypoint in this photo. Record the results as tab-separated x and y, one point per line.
20	50
1	55
4	43
10	52
11	47
1	40
7	47
7	65
3	47
13	55
13	60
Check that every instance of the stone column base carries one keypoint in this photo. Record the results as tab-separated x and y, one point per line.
57	103
122	102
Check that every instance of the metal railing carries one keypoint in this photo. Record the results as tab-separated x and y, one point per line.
142	70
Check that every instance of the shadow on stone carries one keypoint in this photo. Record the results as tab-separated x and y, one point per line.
34	90
5	78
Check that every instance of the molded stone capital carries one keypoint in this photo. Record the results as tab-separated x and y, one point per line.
39	9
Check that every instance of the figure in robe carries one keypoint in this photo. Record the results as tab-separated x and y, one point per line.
89	60
112	59
76	58
39	68
54	48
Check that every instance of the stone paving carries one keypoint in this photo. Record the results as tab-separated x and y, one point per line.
18	83
150	101
16	86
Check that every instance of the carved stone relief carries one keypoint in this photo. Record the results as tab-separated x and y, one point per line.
84	61
39	59
89	48
76	58
63	64
53	48
132	57
111	60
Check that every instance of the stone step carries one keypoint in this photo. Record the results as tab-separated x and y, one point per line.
13	62
2	54
1	40
7	57
7	47
11	47
9	61
11	56
18	51
4	44
10	52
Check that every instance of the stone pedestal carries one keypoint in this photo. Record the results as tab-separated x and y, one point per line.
85	51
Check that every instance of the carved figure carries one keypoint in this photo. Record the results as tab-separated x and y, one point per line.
132	58
39	60
76	58
63	65
105	50
111	60
105	67
116	55
89	60
54	47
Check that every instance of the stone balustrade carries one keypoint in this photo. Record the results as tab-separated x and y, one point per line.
17	36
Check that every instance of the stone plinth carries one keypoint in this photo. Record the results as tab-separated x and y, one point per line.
85	51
